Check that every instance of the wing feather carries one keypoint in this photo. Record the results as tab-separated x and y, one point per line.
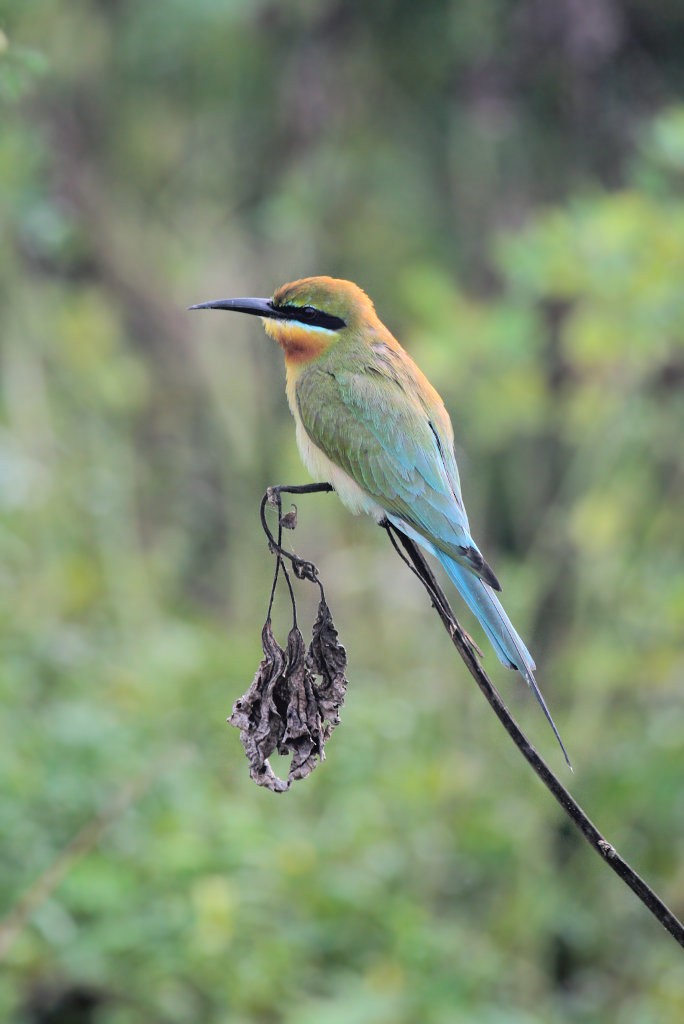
396	442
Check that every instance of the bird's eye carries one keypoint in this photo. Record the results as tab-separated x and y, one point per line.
307	312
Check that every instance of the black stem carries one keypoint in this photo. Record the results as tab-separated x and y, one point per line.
280	564
573	810
302	569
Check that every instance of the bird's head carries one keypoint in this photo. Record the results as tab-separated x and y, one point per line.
306	317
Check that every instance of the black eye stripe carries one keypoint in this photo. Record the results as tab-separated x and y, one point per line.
311	315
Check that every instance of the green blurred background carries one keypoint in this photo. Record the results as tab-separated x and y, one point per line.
507	181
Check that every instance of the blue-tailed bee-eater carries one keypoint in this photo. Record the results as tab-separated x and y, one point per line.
370	423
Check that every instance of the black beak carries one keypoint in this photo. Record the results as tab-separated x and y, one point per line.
257	307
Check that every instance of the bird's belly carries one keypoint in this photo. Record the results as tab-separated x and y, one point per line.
323	468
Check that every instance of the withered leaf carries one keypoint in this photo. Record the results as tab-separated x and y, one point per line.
329	661
288	521
287	708
304	734
256	715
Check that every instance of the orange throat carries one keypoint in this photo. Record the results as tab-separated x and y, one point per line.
299	344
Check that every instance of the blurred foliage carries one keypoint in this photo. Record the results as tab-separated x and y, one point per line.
507	181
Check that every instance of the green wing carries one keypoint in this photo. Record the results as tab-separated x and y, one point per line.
396	442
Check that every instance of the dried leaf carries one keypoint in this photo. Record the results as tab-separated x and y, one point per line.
329	661
256	714
287	708
289	520
304	734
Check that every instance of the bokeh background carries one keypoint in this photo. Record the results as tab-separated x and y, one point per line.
507	181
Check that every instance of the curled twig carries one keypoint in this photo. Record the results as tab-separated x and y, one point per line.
293	704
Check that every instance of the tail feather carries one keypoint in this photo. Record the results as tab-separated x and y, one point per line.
489	612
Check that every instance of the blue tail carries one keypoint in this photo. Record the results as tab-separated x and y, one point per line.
487	608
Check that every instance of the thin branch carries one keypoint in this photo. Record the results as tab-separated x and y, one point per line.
573	810
273	498
302	569
468	652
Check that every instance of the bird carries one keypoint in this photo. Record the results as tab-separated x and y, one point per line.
369	422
